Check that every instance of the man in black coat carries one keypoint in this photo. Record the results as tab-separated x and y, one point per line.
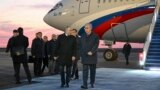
66	52
37	50
53	64
20	44
46	53
126	50
10	42
75	63
89	47
10	46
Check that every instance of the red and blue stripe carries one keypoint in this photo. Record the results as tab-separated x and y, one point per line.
103	24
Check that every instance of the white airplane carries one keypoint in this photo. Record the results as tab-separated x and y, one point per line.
112	20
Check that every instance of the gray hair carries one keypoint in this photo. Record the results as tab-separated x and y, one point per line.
88	24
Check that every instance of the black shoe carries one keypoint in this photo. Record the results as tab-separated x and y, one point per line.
67	85
62	86
76	78
83	87
30	81
18	82
92	86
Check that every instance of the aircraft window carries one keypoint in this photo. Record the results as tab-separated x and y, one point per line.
59	5
86	1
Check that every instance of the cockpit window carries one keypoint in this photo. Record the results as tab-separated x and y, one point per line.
58	5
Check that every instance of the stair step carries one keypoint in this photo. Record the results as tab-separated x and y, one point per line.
156	35
154	50
157	25
152	65
156	40
153	57
153	62
156	31
157	53
155	43
154	46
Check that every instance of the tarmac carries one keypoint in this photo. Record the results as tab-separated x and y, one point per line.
106	79
113	75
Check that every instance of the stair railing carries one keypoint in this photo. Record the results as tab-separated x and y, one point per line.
149	36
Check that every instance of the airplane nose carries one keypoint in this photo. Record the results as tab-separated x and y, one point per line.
55	21
47	20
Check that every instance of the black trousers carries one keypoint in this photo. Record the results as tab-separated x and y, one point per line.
86	68
127	59
65	77
17	66
57	67
75	69
45	64
37	66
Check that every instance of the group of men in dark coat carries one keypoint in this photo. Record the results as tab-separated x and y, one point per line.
42	51
66	51
70	47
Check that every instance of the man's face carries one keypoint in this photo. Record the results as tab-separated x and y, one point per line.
39	35
74	33
88	29
68	31
54	37
15	34
45	38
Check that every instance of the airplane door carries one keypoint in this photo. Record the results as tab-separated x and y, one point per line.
120	32
84	6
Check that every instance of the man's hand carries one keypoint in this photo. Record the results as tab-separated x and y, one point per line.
55	58
90	53
33	56
73	58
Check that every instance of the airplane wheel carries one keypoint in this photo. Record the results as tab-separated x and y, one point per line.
110	55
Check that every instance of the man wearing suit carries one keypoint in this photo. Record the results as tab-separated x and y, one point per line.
37	51
10	47
126	50
20	44
75	63
9	44
53	64
89	46
66	52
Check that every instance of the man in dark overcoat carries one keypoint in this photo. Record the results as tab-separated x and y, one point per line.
37	51
75	63
126	51
20	44
89	47
66	52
